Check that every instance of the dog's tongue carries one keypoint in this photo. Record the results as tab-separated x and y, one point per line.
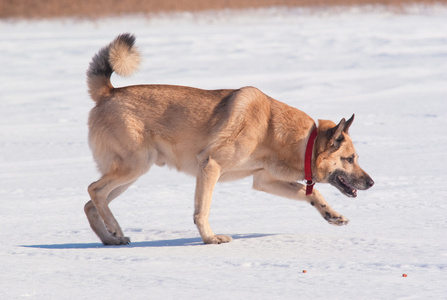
348	189
351	191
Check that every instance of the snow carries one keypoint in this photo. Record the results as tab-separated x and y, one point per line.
388	68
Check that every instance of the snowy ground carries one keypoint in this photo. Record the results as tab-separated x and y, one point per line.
390	69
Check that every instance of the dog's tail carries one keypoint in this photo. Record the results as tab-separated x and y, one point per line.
120	56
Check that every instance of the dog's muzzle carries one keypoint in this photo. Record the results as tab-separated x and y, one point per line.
349	184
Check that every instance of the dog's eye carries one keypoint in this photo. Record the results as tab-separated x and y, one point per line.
349	159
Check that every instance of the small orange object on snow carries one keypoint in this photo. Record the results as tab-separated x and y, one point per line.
304	271
404	275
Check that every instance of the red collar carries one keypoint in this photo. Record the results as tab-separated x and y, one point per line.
308	162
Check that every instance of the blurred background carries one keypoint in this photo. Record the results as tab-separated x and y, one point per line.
105	8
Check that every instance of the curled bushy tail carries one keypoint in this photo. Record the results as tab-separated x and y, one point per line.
120	56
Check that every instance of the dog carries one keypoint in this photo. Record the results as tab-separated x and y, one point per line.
214	135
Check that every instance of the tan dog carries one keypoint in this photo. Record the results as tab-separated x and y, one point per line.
214	135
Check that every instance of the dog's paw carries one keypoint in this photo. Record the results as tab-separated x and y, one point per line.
336	220
218	239
124	240
116	241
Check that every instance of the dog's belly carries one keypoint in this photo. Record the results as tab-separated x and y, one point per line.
237	174
187	159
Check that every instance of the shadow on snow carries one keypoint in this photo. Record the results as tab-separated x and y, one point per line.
161	243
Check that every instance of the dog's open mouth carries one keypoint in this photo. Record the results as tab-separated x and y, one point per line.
344	186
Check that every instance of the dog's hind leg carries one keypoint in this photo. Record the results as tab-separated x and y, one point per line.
262	181
207	178
101	193
96	222
121	173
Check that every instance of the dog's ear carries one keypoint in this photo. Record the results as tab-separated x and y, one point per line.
335	134
348	123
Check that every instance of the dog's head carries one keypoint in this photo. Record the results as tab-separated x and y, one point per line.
336	161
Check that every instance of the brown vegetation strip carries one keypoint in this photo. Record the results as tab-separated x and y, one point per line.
32	9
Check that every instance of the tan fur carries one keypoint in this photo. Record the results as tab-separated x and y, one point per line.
213	135
124	60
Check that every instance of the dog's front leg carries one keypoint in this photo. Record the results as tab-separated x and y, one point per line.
263	181
207	178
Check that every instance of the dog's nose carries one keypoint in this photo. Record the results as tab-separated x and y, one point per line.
370	182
